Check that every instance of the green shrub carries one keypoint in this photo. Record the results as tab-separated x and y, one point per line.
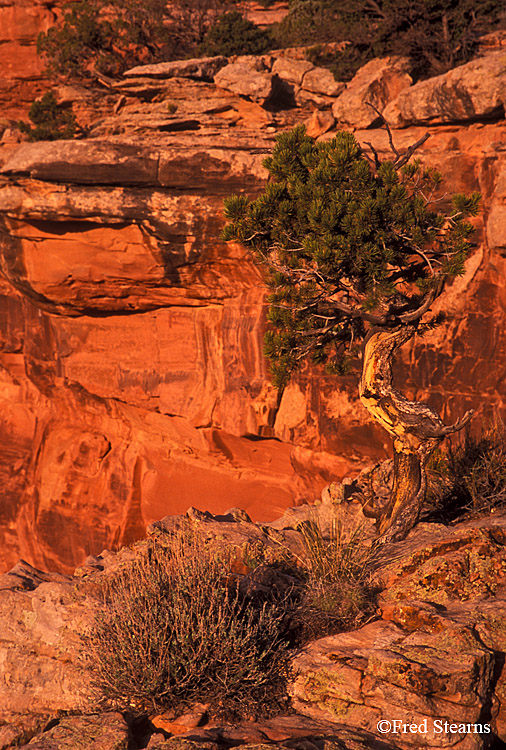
234	35
52	121
173	628
112	35
83	36
436	36
469	477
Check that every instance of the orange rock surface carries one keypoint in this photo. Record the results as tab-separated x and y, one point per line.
132	379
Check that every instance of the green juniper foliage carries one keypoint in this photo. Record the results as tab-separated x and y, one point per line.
232	34
82	36
52	121
347	242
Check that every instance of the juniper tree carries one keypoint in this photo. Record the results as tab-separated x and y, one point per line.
356	252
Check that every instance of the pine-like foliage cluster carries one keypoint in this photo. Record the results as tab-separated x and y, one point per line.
232	34
347	243
51	120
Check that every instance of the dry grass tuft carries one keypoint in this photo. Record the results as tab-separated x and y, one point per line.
338	593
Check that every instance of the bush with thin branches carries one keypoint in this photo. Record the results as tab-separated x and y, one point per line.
173	628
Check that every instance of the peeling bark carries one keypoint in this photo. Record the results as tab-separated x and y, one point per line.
415	427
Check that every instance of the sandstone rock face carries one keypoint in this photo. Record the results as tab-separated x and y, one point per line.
201	302
21	76
471	91
377	83
133	382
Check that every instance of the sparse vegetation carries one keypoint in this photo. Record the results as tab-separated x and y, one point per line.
338	593
232	34
110	36
51	120
173	628
436	36
470	476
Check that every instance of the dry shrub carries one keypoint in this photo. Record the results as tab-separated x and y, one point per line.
173	628
338	593
469	477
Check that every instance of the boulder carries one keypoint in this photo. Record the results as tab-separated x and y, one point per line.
40	651
470	92
204	68
321	81
107	731
380	673
245	80
292	71
377	83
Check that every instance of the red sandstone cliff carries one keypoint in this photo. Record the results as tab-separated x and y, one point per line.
132	381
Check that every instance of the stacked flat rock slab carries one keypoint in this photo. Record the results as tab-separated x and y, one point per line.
204	68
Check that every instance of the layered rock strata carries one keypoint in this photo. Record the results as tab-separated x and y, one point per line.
133	382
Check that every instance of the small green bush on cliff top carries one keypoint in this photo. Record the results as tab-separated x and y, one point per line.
234	35
52	121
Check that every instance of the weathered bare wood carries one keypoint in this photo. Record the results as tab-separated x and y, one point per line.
415	427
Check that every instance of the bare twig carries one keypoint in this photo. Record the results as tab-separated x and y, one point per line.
400	159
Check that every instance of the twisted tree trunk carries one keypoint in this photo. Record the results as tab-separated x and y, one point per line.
415	427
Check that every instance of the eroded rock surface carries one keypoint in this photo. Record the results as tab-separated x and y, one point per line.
433	657
470	92
132	380
377	83
433	660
